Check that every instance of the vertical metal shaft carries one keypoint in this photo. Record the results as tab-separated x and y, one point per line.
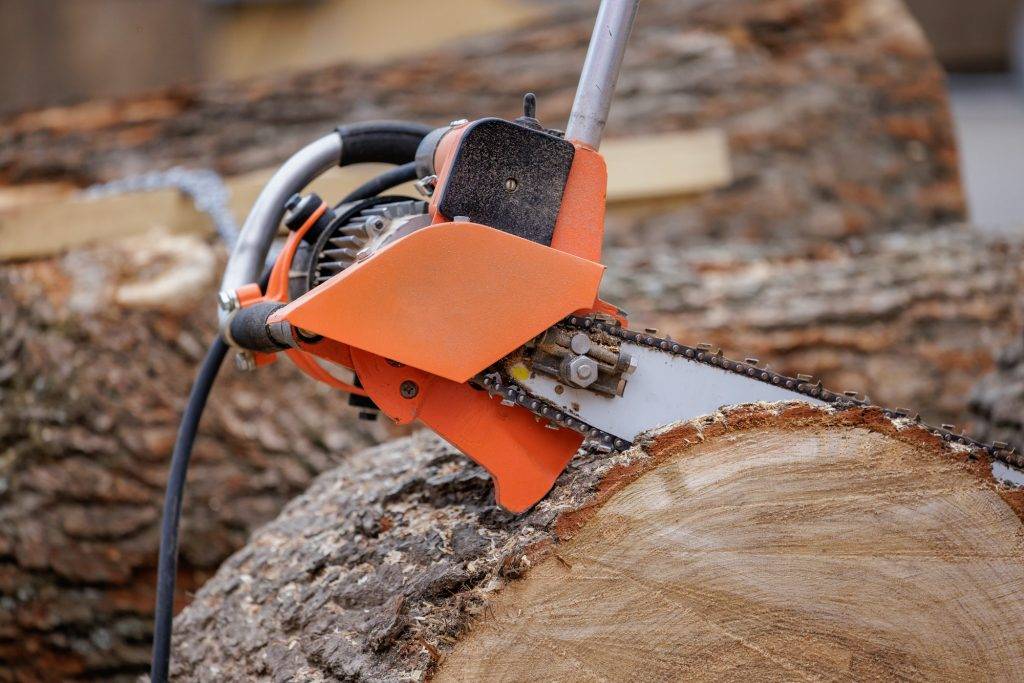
600	71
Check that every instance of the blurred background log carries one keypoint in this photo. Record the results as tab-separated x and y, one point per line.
997	404
766	543
912	320
834	111
97	352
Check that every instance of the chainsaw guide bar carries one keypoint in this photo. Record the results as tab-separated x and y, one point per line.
802	387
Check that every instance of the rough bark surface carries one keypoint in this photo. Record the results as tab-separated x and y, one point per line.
912	320
872	542
93	377
997	404
95	373
835	113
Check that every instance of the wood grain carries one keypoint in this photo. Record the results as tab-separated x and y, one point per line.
822	553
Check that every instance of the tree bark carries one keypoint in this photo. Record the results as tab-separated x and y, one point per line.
911	320
835	113
997	404
769	542
100	347
97	353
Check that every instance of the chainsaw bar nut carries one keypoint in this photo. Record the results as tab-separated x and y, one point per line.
581	371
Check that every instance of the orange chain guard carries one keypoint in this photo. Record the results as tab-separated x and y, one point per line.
523	457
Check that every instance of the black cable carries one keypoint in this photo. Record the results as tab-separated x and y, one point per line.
167	565
390	142
385	181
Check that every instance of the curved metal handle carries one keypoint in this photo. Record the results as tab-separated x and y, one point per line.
250	252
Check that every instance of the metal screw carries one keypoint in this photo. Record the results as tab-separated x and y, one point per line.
426	185
409	389
227	299
245	361
511	184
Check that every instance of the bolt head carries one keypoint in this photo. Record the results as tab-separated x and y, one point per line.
245	361
582	371
227	299
376	224
409	389
580	344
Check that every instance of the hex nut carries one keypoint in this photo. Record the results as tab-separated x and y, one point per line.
245	361
582	371
227	299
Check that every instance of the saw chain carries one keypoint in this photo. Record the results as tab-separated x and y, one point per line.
499	385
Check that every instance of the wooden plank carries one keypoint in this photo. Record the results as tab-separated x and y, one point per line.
261	38
668	165
39	221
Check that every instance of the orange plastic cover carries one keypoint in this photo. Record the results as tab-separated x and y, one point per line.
449	299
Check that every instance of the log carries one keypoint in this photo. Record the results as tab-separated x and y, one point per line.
911	320
43	221
763	542
997	402
100	346
97	352
834	111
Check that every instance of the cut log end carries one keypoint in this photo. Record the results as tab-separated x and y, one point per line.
782	541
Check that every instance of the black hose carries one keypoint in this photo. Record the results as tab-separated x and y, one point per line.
385	181
390	142
168	563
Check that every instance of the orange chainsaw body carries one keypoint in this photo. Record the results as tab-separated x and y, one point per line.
431	310
449	299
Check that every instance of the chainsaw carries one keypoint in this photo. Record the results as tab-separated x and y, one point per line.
474	308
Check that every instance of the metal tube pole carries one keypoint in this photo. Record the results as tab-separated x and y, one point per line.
600	71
